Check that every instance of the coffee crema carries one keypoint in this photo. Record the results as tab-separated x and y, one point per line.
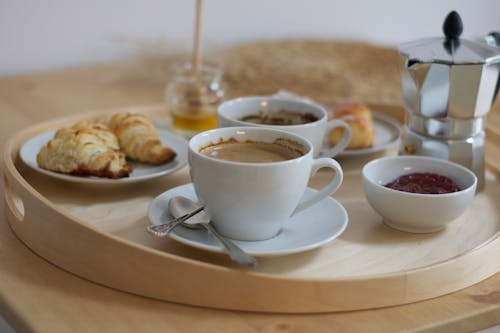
282	117
250	151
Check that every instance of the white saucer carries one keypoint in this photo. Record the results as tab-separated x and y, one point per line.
307	230
387	135
141	171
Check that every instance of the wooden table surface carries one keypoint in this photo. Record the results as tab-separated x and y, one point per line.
37	296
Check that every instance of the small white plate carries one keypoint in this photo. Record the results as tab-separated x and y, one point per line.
387	135
141	171
307	230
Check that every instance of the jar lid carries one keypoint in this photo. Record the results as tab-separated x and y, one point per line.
450	49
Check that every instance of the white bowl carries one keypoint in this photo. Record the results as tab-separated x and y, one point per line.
412	212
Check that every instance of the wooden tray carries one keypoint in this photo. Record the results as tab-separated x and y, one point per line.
98	233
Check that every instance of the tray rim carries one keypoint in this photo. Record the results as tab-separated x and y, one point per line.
12	175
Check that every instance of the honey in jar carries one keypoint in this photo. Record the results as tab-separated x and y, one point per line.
192	97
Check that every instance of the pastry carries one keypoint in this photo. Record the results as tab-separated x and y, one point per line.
84	149
359	118
139	139
102	131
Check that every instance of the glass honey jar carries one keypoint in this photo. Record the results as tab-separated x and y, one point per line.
192	96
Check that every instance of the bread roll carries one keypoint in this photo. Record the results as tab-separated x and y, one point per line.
84	149
360	120
139	139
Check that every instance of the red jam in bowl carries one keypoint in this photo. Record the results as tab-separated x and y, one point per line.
424	183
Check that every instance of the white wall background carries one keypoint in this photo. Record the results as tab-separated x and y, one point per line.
48	34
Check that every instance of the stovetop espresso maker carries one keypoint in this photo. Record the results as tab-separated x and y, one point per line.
449	84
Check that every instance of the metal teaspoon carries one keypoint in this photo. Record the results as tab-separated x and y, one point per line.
180	206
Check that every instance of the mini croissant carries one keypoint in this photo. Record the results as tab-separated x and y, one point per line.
139	139
84	149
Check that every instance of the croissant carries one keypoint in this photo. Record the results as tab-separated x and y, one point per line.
100	130
360	120
139	139
84	149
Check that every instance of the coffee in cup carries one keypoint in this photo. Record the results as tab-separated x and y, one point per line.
251	179
281	117
251	151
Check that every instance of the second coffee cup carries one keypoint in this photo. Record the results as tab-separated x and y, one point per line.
306	119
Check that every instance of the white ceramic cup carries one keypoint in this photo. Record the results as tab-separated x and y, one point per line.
230	112
252	201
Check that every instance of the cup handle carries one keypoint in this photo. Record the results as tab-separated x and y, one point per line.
331	152
332	186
